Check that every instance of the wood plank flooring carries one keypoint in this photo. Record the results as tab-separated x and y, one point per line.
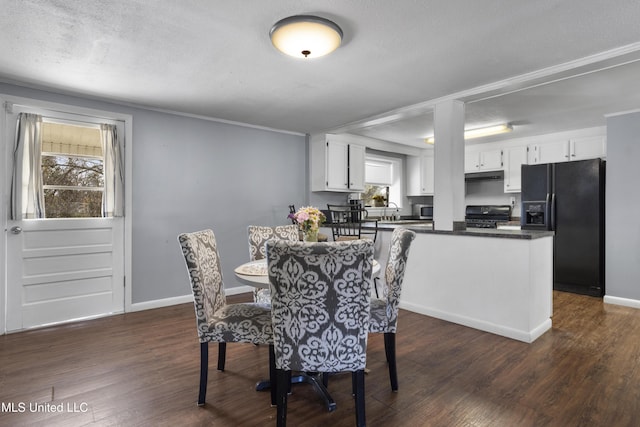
141	369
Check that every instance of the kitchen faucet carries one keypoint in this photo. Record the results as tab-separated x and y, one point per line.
395	216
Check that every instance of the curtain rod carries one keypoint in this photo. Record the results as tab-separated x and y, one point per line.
9	106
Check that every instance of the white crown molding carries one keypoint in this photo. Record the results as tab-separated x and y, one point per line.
579	67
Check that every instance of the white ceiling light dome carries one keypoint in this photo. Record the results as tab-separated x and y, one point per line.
306	36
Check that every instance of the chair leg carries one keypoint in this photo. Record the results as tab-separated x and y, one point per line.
358	379
375	286
390	350
273	376
354	384
204	370
222	355
282	387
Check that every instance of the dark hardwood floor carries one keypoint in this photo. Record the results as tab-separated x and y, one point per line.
141	369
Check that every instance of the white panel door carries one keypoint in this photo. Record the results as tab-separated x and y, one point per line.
63	269
60	269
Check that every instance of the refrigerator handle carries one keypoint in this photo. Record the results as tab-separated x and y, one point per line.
553	211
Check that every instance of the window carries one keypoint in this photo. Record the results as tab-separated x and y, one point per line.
382	181
72	170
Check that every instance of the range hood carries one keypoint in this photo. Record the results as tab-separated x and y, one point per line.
484	176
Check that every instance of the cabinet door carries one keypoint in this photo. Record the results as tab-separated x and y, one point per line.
553	152
356	167
336	165
514	158
591	147
427	178
420	179
490	160
471	161
413	176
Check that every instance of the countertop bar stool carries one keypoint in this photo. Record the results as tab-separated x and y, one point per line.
258	236
320	298
384	311
347	224
350	222
346	221
216	320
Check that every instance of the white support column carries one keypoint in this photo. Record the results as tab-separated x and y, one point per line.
448	200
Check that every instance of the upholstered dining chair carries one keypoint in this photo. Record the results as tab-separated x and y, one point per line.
320	301
258	236
384	311
216	320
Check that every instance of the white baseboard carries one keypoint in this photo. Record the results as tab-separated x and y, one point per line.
525	336
166	302
627	302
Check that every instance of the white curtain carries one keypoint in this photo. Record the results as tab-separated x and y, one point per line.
27	176
113	194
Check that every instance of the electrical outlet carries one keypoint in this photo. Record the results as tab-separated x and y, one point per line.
512	200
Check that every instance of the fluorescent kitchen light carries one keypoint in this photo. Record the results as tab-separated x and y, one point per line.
480	132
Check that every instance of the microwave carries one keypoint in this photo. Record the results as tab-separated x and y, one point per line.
423	212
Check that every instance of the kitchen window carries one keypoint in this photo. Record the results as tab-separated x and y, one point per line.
382	179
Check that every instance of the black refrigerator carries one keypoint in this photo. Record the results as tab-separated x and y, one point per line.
568	198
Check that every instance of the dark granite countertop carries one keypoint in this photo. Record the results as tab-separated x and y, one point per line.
427	228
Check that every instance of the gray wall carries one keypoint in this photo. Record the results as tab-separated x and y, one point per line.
190	174
623	202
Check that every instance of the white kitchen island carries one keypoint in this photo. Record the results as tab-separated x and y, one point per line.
499	281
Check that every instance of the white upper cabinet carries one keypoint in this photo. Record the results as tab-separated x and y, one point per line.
589	147
336	165
550	152
420	178
356	167
476	160
514	158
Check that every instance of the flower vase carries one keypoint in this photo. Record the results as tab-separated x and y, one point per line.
311	236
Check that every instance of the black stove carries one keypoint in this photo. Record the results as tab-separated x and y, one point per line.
486	216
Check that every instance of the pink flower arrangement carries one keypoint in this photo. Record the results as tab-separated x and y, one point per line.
309	218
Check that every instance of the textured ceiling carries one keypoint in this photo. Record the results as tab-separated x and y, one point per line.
214	58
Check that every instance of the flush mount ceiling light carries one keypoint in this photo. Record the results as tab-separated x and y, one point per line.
306	36
480	132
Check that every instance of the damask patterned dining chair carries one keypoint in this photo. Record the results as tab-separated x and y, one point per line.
258	236
384	311
216	320
320	299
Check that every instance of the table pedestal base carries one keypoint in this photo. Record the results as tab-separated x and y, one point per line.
315	379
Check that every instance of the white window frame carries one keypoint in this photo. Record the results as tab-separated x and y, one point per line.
396	186
55	154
